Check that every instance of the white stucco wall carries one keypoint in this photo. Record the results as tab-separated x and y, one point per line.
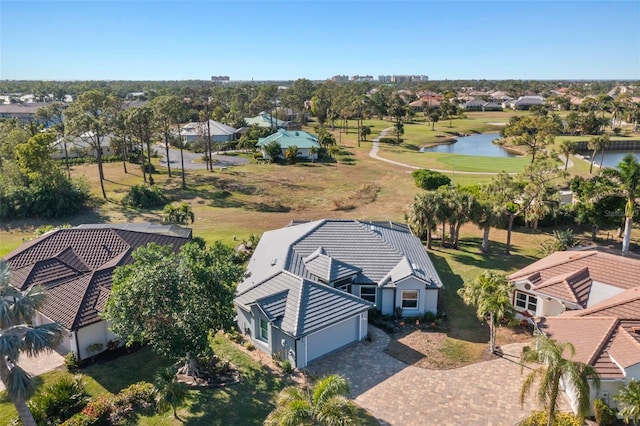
387	303
95	333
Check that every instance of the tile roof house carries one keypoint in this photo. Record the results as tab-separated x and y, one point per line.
75	266
287	138
220	132
523	102
480	104
25	112
266	120
590	298
309	285
82	146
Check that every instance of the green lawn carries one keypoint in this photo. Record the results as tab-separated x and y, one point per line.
246	403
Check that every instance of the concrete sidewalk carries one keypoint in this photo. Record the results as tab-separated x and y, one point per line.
43	363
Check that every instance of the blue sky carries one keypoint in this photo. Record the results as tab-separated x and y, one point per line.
269	40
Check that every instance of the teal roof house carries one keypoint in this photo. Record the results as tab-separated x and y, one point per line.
287	138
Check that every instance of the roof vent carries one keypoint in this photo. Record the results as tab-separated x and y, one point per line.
297	134
273	261
414	266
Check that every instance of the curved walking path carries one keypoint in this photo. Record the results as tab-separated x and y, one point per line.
375	147
486	393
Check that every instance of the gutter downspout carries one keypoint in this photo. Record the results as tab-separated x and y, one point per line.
75	333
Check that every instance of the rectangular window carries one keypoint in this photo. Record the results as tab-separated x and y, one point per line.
409	298
526	301
264	330
368	293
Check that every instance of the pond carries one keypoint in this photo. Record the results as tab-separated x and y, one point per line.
475	145
611	158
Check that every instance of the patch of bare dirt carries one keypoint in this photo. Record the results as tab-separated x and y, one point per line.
436	351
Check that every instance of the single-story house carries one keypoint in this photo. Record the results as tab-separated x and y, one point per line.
570	280
76	266
268	121
220	132
479	104
25	112
591	299
523	102
288	138
309	285
82	146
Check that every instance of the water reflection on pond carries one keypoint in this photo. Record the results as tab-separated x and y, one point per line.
476	145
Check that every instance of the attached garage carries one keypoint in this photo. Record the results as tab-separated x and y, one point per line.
331	338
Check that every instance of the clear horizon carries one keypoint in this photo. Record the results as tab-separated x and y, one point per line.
283	41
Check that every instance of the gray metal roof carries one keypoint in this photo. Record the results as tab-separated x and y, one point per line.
299	306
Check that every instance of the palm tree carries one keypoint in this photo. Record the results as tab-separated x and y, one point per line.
626	177
291	154
575	375
171	392
490	293
434	117
323	404
567	148
18	335
628	398
421	217
596	144
604	143
313	151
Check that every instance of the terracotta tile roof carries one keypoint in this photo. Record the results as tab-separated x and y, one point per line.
606	343
587	335
625	305
572	287
625	349
76	266
607	268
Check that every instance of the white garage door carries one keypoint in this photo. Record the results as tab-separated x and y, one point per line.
332	338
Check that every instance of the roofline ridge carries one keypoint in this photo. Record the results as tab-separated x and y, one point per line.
607	336
32	243
84	298
588	254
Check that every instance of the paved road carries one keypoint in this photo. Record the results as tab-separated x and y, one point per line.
193	161
485	393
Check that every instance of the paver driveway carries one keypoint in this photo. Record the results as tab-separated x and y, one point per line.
485	393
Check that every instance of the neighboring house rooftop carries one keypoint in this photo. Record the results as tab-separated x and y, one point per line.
76	265
266	120
287	138
200	129
607	343
612	269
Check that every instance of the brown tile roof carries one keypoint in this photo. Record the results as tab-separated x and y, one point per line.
572	287
608	344
607	268
76	267
625	305
587	335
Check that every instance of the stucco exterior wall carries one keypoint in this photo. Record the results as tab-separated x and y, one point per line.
94	333
427	298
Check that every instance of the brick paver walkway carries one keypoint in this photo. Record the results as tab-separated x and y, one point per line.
398	394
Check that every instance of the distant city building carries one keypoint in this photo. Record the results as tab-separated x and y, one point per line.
340	78
362	78
402	78
220	78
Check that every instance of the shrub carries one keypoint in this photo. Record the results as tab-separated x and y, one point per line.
249	346
59	401
539	418
140	196
604	414
98	410
71	361
430	180
286	366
